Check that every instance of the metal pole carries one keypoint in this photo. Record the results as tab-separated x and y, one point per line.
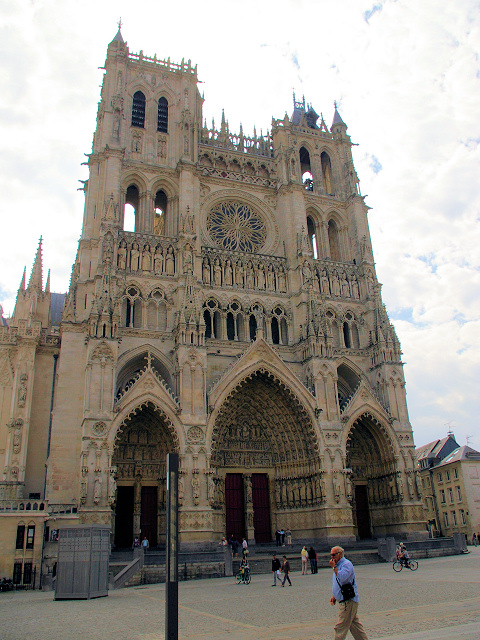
171	586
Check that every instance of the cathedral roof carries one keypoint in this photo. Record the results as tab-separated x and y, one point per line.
119	37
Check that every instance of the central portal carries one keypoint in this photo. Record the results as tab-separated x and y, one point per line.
235	507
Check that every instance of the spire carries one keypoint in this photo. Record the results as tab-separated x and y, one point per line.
35	281
24	278
119	37
47	286
337	119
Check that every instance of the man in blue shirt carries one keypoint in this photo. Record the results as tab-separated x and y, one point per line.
343	573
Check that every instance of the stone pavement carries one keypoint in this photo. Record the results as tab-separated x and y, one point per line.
440	601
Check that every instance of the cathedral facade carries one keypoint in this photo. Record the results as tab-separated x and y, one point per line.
223	305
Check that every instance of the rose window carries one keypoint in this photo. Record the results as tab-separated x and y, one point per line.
236	227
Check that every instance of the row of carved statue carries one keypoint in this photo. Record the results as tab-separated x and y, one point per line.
248	274
160	259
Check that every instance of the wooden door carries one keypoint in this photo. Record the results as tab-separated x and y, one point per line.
363	513
148	515
234	506
124	517
261	507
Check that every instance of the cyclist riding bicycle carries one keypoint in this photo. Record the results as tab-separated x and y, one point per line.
402	554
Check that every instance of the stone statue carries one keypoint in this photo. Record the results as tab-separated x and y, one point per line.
228	273
134	257
217	273
97	490
170	262
146	258
206	271
158	260
122	256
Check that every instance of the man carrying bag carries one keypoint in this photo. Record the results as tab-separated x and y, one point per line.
344	590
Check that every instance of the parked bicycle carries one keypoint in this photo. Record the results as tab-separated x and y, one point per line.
408	564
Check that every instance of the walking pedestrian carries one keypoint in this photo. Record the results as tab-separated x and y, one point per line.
286	571
474	540
345	592
276	566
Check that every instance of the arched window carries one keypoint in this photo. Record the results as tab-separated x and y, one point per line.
132	198
230	326
162	115
327	173
275	331
253	327
305	169
346	335
138	110
160	213
207	318
312	236
333	241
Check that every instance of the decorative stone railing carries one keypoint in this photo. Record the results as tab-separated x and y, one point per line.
23	505
257	146
9	335
183	67
238	177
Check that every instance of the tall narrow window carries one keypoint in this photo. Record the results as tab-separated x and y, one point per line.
30	536
20	536
253	327
138	110
230	326
27	573
208	323
306	169
333	241
17	573
312	236
346	335
327	173
132	198
160	213
275	331
162	118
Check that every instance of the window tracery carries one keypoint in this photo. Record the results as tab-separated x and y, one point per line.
235	226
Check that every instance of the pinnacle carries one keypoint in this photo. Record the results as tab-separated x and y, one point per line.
35	281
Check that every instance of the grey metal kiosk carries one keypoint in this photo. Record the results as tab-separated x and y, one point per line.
82	569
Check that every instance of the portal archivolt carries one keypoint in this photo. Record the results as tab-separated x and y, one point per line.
140	456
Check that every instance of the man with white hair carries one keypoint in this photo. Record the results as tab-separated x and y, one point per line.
345	592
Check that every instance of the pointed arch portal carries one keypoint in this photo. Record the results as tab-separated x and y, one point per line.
265	451
141	448
377	493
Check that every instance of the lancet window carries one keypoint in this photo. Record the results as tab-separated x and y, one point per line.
162	115
334	241
160	213
312	236
306	170
327	173
138	110
132	199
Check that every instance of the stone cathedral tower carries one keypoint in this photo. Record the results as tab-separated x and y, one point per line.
223	305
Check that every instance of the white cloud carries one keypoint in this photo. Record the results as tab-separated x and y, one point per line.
407	78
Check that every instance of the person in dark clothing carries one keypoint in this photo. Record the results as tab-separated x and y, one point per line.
276	566
312	557
277	537
286	571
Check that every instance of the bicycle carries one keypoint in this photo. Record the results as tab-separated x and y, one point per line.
409	564
243	577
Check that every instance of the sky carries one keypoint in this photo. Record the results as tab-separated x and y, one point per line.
406	77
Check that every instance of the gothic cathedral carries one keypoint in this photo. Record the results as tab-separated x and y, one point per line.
223	305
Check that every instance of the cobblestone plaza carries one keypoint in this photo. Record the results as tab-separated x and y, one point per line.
440	601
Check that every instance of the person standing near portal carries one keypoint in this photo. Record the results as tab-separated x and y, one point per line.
344	574
145	544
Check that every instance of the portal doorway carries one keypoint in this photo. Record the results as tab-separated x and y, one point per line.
148	515
234	506
124	517
261	508
362	512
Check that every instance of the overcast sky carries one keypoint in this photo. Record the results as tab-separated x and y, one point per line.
406	76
